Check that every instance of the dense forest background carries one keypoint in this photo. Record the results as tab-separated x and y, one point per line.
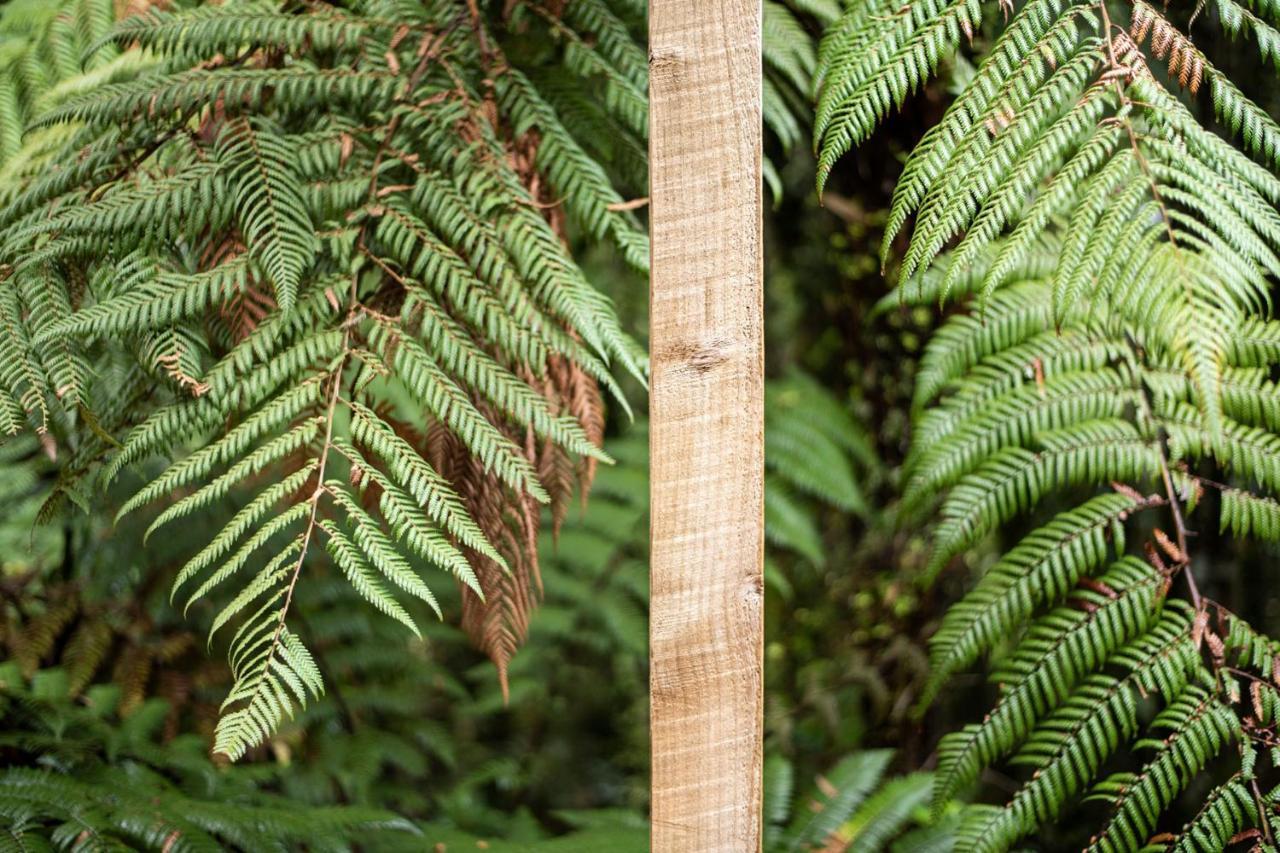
107	684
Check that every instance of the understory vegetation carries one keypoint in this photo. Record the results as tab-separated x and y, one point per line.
324	452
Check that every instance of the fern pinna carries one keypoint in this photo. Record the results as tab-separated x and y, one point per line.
1112	376
316	255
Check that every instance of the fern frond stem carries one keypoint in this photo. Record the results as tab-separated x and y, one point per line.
482	37
1244	673
1106	27
373	313
343	453
1175	509
330	413
1213	484
395	276
1166	478
1116	65
541	205
1155	189
1260	804
1179	523
1145	166
415	77
178	127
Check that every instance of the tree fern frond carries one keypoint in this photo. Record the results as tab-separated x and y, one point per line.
23	381
863	72
150	99
402	513
416	476
851	782
1072	742
950	202
1041	569
436	392
158	300
1059	649
189	36
1226	809
1012	420
331	250
1245	514
575	177
350	558
611	38
1198	726
273	673
272	528
1112	258
1014	479
382	554
1016	56
272	216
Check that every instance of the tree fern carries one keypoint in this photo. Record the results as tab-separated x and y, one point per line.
329	252
396	705
1109	378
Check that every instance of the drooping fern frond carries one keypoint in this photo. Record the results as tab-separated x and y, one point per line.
1107	385
327	247
1097	609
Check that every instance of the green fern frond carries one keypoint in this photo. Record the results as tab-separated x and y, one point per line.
851	782
189	36
271	213
854	807
1226	810
1198	727
1072	742
1041	569
330	244
1112	258
873	58
1014	479
274	674
1057	652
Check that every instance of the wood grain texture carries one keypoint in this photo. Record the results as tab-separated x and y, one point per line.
706	425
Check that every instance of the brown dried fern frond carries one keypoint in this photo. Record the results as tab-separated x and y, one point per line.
1167	42
499	622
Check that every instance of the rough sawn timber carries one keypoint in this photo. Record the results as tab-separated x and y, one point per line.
706	425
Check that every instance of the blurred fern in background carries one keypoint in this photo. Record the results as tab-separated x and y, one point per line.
103	782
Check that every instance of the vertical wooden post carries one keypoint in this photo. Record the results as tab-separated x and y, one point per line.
706	425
